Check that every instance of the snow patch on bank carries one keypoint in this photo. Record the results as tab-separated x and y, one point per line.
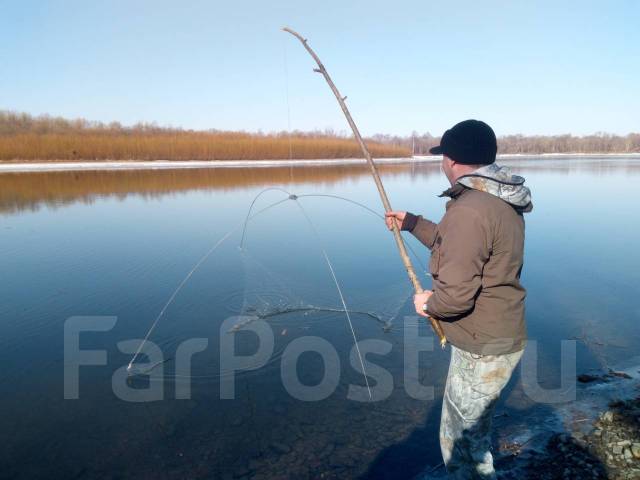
18	167
179	164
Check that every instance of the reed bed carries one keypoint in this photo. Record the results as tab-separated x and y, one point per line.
183	145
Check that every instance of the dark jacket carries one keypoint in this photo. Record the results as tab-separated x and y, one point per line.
476	261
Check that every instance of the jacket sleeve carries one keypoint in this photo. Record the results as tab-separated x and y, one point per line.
424	230
462	251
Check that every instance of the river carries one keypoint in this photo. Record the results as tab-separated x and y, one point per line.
106	250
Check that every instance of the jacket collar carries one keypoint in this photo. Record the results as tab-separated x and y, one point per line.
454	191
458	189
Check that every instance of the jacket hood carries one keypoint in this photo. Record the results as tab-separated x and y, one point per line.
500	182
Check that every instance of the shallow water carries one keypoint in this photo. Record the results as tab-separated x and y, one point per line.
119	243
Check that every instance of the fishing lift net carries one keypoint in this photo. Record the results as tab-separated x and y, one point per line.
300	284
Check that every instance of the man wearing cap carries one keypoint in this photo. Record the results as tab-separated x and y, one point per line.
476	260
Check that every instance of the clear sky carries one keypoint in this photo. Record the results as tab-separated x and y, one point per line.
532	67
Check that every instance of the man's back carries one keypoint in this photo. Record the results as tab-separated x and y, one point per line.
493	230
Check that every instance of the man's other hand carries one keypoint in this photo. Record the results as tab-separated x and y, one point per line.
419	300
389	218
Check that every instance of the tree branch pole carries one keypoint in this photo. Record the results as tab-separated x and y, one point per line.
374	171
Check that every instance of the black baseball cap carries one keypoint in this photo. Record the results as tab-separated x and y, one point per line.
471	142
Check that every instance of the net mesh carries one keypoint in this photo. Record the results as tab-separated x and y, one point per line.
268	294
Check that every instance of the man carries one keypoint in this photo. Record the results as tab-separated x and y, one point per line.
476	260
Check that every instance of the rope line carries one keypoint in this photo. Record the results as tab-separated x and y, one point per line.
286	94
335	280
338	197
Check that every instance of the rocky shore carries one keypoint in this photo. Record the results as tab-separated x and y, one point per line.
603	443
611	451
616	439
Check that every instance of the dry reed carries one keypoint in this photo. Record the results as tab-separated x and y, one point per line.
182	145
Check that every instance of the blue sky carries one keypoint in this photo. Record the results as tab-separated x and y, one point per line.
541	67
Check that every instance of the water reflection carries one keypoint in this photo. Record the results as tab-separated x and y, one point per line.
20	191
29	191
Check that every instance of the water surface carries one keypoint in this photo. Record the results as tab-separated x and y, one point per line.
118	244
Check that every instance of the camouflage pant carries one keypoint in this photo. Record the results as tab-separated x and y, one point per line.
473	386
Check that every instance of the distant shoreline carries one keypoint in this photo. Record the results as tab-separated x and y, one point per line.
51	166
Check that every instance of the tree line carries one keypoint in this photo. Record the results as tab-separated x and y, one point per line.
531	144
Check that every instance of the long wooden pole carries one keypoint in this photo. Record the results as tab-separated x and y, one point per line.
376	177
